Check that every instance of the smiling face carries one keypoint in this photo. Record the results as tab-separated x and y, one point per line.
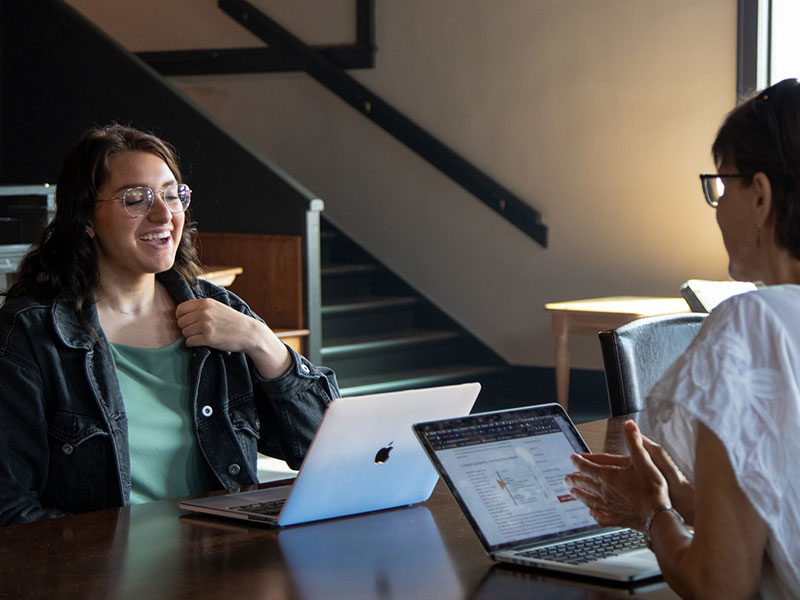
129	248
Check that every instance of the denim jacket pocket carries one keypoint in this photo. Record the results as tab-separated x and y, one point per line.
79	456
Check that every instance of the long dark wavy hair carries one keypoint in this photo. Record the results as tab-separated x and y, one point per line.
63	261
762	135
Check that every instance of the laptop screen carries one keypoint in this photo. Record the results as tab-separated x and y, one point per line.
506	469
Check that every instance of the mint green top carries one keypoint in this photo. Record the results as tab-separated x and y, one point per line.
166	460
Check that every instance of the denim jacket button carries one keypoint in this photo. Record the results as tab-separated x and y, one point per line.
305	369
207	411
67	449
234	469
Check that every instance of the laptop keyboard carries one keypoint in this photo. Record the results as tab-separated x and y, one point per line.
272	507
590	549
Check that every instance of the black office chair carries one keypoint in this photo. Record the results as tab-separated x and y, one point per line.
636	354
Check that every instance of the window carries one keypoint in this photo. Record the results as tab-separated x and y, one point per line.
784	42
769	47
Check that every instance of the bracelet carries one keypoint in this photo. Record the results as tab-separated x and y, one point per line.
648	524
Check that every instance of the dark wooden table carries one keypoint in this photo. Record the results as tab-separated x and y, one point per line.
156	550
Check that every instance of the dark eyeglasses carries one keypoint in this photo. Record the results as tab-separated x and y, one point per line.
714	186
138	201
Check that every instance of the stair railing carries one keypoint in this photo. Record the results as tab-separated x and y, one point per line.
322	66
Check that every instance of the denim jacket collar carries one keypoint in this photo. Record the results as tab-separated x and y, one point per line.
69	329
71	332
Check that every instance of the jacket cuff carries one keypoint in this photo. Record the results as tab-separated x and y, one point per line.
299	376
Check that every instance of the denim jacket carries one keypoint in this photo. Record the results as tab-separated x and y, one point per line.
63	430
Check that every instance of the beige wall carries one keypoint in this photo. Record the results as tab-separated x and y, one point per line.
600	113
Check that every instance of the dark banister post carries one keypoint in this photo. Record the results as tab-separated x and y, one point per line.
495	196
365	24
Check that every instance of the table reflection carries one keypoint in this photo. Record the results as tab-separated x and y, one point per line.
512	583
393	554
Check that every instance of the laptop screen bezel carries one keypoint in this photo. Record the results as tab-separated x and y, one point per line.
543	410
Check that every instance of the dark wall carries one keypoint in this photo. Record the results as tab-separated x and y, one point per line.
60	74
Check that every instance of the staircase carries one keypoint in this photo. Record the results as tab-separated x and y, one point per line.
380	335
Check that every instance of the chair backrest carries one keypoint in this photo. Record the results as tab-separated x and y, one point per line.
636	354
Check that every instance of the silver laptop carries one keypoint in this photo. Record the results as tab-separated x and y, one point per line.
363	458
506	470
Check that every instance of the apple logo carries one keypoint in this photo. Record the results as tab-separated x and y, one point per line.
383	454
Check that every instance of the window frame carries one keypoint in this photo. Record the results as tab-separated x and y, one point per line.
753	43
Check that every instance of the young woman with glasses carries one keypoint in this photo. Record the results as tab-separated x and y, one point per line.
720	502
123	377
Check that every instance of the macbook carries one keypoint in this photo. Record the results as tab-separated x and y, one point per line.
506	470
363	457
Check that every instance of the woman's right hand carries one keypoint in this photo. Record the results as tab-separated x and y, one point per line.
619	490
681	491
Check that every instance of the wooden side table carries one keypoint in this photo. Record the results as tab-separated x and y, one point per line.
222	276
593	315
294	338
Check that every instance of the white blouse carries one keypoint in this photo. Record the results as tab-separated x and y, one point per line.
740	377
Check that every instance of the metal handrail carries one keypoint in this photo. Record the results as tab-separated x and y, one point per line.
495	196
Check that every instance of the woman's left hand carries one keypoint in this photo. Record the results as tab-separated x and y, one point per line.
206	322
619	490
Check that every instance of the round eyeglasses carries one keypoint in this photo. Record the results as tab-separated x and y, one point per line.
714	186
138	201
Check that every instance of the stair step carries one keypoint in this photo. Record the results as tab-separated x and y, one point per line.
337	270
416	379
371	343
367	304
382	316
362	357
348	280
